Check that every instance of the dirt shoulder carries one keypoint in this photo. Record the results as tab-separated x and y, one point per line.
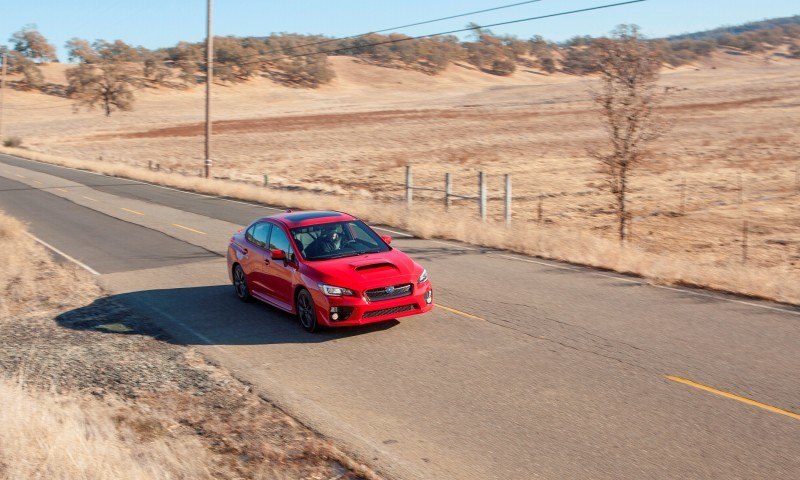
63	342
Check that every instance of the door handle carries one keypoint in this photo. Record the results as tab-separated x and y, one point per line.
266	261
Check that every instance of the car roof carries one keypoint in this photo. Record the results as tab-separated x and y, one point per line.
306	218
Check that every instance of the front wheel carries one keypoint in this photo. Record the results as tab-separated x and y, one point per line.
240	284
306	312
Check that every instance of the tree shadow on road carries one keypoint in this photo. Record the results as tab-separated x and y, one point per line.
210	315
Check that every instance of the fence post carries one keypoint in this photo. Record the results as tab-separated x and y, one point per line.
482	195
539	210
409	195
158	167
683	196
508	199
448	190
744	242
740	189
150	164
266	180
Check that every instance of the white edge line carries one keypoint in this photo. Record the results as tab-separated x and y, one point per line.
145	183
732	300
644	283
59	252
454	245
198	335
408	235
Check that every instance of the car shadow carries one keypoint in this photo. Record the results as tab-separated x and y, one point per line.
211	315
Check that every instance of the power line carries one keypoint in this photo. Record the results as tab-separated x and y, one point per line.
425	22
419	37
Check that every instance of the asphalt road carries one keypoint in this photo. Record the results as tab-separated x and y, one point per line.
528	369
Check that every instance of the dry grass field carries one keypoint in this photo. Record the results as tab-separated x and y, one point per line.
733	142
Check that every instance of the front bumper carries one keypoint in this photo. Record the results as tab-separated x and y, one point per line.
360	311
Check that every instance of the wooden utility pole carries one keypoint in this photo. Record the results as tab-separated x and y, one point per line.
209	81
683	196
3	93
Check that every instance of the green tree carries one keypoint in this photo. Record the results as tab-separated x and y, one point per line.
33	45
32	77
108	85
80	50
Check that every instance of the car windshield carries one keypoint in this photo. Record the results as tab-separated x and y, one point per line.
337	240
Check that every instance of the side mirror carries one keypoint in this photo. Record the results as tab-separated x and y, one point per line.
387	239
278	254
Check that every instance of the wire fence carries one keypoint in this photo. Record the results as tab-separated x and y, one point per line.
748	219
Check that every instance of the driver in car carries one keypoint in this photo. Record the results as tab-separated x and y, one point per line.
328	242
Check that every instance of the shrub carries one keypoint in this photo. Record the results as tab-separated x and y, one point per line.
503	67
13	142
581	60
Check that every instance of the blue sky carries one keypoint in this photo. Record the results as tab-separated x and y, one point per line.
158	23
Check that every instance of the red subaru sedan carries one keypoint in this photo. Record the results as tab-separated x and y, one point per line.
328	268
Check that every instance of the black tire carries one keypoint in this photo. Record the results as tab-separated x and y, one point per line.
240	284
306	311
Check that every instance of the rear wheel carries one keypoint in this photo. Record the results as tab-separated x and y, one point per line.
240	284
306	311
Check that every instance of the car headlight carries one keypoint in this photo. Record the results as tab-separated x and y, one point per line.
332	291
424	277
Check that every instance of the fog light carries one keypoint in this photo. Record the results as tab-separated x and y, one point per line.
429	297
340	314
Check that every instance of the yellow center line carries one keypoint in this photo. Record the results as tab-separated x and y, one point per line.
37	182
133	211
62	190
734	397
20	176
459	312
88	198
187	228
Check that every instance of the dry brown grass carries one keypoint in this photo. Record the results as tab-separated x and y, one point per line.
30	280
57	437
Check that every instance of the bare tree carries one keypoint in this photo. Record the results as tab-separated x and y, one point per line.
629	68
107	84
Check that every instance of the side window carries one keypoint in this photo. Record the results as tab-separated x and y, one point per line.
361	232
258	234
279	241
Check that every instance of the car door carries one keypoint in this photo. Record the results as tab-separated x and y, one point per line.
257	237
279	273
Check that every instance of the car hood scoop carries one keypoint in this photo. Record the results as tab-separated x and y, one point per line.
374	265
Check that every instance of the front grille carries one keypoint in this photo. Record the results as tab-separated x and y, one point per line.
388	293
388	311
